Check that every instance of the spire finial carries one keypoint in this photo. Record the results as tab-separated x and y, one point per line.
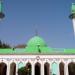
36	30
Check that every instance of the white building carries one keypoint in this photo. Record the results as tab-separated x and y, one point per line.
38	58
41	59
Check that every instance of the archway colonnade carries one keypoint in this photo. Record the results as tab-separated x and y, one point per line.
38	64
39	69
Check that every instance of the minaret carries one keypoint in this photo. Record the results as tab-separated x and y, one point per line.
72	16
2	15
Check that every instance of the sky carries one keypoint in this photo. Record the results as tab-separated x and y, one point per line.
50	16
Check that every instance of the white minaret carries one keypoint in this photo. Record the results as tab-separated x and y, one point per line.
72	16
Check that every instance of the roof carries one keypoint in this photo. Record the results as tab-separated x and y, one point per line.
23	51
20	46
36	45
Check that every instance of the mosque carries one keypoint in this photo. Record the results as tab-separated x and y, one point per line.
39	58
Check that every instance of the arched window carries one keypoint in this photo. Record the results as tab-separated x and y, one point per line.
37	69
3	68
20	65
29	68
21	69
71	68
13	69
55	68
46	69
61	68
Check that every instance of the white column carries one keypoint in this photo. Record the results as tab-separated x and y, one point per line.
42	68
8	69
16	68
58	68
33	69
66	69
50	68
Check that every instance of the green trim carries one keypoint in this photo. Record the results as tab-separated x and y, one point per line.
73	8
48	51
36	45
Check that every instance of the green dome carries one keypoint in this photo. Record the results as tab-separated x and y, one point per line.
36	41
37	45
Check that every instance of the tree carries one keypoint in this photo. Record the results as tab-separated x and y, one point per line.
24	71
3	45
0	43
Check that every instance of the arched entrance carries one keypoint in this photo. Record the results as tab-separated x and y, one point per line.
29	68
71	68
54	69
21	69
61	68
20	65
37	69
24	70
46	69
13	69
3	68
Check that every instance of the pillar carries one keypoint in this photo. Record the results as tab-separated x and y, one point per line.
33	69
16	68
42	68
8	69
58	68
50	68
66	69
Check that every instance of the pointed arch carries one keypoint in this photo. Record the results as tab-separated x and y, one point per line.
61	68
29	68
46	69
54	68
3	68
71	68
20	65
37	68
21	69
12	68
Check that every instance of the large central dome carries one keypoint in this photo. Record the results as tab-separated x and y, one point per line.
36	41
37	45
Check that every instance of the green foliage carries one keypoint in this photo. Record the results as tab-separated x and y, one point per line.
24	71
54	74
3	45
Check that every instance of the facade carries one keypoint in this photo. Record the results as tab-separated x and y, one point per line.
38	58
42	59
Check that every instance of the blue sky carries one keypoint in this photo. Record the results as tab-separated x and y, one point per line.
50	17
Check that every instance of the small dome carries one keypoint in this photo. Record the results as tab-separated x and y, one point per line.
36	41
